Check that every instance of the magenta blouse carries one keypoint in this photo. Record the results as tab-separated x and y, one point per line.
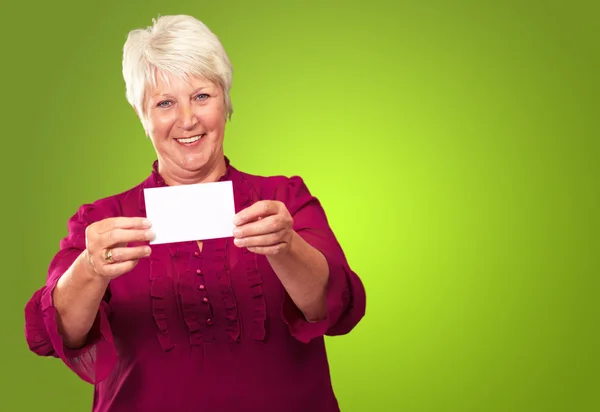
204	331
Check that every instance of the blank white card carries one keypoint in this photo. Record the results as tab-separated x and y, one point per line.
190	212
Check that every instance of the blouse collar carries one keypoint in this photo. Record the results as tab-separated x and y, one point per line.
156	180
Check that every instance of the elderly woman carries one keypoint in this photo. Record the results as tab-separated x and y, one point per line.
229	324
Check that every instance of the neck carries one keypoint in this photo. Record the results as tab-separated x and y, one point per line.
211	172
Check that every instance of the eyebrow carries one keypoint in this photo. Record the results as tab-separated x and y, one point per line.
167	94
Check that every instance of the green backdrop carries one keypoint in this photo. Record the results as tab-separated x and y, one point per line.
454	146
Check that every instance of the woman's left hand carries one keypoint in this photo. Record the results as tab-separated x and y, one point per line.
265	228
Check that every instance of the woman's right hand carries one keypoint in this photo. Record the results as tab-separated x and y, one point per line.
107	253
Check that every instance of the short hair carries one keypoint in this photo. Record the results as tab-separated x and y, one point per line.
180	45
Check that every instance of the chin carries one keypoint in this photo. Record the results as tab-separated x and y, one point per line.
193	166
196	162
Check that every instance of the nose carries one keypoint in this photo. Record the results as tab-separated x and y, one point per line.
187	118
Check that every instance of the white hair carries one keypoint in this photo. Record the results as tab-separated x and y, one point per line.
178	45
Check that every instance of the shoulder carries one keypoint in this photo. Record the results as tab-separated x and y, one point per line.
292	191
275	187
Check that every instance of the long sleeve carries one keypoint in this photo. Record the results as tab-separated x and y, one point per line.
95	360
36	335
346	297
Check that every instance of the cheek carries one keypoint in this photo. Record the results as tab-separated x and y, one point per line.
217	123
159	126
215	120
217	128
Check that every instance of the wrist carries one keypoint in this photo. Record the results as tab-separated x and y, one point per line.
87	272
284	255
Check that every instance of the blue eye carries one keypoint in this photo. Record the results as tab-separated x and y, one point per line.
202	96
163	104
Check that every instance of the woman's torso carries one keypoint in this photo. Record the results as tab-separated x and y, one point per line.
200	329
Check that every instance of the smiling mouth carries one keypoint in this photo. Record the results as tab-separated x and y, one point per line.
191	140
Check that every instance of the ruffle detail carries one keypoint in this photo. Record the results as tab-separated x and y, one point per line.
194	312
259	306
158	294
246	196
158	278
218	251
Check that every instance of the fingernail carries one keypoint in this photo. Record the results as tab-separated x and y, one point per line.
236	232
236	220
148	250
149	235
146	223
238	242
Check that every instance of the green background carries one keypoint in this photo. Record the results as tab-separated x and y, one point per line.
454	146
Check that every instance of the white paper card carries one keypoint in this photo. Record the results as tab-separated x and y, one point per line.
190	212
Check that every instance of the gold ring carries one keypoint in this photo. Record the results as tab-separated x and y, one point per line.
108	256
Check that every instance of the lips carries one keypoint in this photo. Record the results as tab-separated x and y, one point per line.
190	140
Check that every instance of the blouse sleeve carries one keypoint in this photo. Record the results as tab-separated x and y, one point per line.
94	361
36	336
346	298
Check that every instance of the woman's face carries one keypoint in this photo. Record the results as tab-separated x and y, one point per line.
186	123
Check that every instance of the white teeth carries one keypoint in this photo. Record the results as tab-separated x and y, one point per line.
190	140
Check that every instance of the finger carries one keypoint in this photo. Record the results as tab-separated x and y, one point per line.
262	208
123	254
270	239
117	236
113	270
109	224
269	250
270	224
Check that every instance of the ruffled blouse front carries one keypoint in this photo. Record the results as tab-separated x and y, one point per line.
208	329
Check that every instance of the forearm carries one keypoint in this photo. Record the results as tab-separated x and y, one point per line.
304	273
77	297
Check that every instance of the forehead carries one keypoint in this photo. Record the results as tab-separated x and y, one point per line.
168	83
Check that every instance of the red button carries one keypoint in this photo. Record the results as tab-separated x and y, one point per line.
201	287
209	322
198	271
205	300
196	254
